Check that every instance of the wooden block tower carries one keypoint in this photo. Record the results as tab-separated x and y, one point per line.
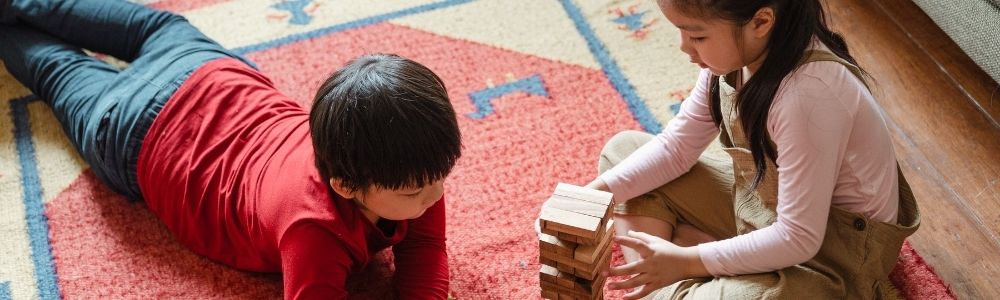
575	242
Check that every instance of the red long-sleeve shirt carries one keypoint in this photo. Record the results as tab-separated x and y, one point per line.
228	166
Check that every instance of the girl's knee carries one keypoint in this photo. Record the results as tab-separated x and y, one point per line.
650	225
620	146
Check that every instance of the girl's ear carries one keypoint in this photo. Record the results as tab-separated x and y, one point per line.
338	187
762	22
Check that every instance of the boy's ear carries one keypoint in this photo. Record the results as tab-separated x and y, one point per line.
762	22
339	188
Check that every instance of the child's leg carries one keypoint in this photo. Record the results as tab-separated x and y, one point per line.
687	235
71	82
697	204
121	29
164	49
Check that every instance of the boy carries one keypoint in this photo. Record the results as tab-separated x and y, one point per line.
237	171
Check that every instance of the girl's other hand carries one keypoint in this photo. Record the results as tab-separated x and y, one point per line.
598	184
661	263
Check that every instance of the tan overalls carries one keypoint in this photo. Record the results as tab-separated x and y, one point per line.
853	262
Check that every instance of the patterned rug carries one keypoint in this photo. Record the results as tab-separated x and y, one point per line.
539	86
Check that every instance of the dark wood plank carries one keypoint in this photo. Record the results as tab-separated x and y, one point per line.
978	86
948	147
957	247
956	138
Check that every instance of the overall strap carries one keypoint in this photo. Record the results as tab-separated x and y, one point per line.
820	55
729	130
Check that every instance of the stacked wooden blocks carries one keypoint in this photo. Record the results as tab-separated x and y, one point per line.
575	243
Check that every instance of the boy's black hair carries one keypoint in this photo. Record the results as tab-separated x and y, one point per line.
384	121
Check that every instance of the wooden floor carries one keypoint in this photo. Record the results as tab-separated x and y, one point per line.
943	114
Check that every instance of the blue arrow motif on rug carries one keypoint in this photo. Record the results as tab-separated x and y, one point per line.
632	21
297	8
5	290
483	99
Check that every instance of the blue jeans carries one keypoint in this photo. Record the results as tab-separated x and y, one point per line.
104	112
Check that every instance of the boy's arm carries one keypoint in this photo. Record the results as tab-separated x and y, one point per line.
421	258
314	263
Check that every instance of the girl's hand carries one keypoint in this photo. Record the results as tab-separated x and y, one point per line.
598	184
661	264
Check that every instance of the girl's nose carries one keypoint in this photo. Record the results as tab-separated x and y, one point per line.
686	44
686	47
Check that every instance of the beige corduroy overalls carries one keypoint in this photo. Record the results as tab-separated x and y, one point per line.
856	255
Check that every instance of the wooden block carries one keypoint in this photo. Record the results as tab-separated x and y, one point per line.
579	268
548	286
569	238
548	274
569	293
546	261
578	284
550	294
567	268
542	254
582	193
550	243
578	206
590	253
595	269
569	222
595	286
569	297
551	274
574	239
581	240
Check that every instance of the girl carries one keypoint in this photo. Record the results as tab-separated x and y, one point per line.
809	200
238	172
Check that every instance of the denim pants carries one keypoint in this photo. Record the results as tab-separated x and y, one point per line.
104	111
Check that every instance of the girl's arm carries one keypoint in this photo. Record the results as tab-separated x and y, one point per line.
671	153
812	120
314	263
421	258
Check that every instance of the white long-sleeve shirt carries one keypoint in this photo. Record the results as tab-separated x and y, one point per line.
833	150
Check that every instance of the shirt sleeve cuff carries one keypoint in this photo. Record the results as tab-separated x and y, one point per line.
711	257
614	185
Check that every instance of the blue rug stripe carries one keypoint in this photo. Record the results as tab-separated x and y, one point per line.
5	290
347	26
611	69
38	226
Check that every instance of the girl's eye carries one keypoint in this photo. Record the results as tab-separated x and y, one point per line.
697	39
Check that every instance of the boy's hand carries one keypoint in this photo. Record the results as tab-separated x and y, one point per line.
661	264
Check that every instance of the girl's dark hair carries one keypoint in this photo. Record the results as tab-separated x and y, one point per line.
386	121
796	22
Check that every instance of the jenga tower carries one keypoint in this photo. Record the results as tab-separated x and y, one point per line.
575	243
